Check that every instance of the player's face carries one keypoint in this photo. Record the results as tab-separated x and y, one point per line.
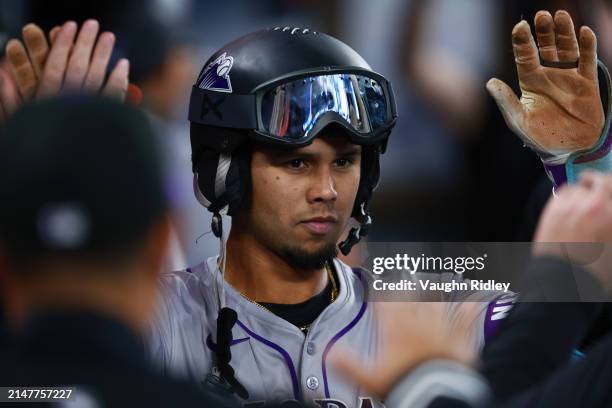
302	199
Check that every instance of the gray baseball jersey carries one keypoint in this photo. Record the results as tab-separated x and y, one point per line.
272	358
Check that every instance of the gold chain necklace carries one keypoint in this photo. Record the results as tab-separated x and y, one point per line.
333	296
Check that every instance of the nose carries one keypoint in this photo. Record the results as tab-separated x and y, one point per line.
323	187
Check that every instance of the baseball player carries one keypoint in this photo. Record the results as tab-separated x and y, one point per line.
287	127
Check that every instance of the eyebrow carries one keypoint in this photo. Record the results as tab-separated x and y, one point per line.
353	150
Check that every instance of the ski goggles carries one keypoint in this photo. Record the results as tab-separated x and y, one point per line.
292	111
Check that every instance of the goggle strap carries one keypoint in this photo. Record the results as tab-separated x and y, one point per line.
222	109
355	234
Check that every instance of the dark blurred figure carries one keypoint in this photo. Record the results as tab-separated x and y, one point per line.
163	70
4	332
83	232
17	13
162	64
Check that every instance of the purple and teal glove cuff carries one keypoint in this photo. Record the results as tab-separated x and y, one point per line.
561	170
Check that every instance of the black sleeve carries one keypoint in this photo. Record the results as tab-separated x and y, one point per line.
536	339
583	383
526	363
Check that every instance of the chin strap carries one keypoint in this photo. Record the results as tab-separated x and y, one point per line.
226	319
355	234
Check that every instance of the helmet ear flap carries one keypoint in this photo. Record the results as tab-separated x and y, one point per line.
370	174
205	174
238	182
242	169
222	180
221	168
198	192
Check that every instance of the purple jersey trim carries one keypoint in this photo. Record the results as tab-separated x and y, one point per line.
491	326
288	361
556	173
341	333
213	346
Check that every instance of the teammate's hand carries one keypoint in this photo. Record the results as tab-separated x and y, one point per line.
9	95
560	110
73	63
576	225
411	333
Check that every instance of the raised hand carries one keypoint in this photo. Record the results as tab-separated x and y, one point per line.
9	94
73	63
411	333
576	226
560	110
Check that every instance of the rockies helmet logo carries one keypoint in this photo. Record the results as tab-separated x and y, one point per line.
216	75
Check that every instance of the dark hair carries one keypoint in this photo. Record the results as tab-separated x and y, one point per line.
78	177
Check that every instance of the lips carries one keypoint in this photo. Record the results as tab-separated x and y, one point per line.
320	225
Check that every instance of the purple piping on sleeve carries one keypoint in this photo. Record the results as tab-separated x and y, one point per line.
288	361
340	334
490	326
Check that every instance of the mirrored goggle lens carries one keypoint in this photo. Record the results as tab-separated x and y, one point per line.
290	111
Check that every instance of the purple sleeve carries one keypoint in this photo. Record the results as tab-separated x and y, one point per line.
496	312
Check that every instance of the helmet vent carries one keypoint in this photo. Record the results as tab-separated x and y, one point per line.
295	30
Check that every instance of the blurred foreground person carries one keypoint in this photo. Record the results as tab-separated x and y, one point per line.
425	362
83	233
